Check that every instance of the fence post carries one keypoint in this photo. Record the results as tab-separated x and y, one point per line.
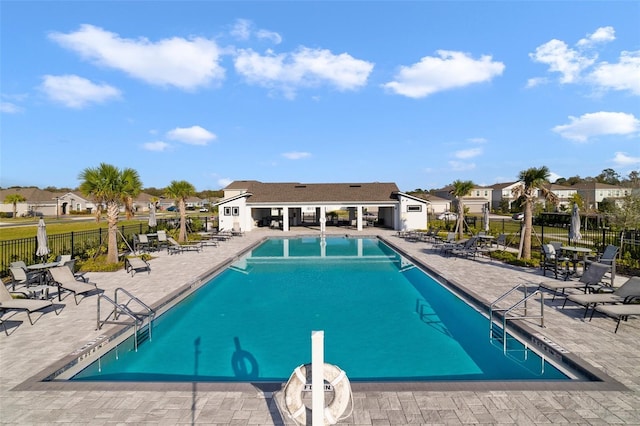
72	247
542	232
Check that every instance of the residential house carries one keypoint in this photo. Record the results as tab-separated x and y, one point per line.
592	193
248	204
475	202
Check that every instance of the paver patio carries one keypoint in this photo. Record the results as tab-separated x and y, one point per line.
29	349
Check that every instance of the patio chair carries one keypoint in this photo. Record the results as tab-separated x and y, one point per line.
440	243
608	257
588	282
627	291
163	242
20	276
468	249
64	279
62	258
136	264
619	312
553	262
8	303
80	276
176	247
142	243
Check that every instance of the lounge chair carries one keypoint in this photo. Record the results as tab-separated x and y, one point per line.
7	302
142	243
608	257
468	249
619	312
136	264
626	291
80	276
62	258
176	247
163	242
64	279
588	282
440	243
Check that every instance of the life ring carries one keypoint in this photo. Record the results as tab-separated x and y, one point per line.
333	412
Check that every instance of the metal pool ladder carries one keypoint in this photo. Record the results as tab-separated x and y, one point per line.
135	318
514	311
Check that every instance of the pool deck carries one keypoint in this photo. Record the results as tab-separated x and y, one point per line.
30	349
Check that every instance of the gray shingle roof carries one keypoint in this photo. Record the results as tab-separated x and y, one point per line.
292	192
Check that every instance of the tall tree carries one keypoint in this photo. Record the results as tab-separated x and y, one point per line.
532	183
461	188
132	187
108	185
14	199
180	190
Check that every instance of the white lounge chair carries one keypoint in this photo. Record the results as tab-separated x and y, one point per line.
7	302
136	264
64	279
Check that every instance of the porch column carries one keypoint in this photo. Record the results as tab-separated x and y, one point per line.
285	219
359	217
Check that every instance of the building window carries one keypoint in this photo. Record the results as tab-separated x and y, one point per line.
235	211
227	211
417	208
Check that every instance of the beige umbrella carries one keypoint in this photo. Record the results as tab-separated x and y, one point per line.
41	237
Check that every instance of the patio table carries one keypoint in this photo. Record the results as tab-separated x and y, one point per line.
575	252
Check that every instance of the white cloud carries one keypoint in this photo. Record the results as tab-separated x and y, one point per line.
562	59
625	75
157	146
459	166
194	135
624	160
224	182
243	29
77	92
447	71
580	129
467	153
477	140
554	176
271	36
296	155
302	68
580	64
601	35
10	108
178	62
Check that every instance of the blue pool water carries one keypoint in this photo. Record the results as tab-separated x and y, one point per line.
383	320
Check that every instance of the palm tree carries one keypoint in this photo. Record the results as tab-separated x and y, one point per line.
14	199
461	188
532	181
108	185
131	189
180	190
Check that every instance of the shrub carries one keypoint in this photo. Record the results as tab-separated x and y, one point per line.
99	264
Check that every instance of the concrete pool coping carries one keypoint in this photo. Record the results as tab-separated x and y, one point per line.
29	348
595	380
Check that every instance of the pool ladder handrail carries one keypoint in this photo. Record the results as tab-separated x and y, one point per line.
507	311
137	318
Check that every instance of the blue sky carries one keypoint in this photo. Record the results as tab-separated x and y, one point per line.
419	93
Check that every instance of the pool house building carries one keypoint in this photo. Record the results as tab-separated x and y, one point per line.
248	204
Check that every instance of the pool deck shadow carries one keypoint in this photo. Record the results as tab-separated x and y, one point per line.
30	351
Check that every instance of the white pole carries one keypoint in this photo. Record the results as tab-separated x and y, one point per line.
317	378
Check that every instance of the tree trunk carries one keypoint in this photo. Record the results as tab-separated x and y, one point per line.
182	236
526	231
112	220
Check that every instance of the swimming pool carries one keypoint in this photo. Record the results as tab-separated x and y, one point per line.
384	320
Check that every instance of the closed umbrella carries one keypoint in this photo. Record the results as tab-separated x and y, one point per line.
41	237
153	222
486	218
574	229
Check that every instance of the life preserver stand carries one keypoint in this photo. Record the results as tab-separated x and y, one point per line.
334	411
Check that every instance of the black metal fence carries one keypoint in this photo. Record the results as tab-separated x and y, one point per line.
79	243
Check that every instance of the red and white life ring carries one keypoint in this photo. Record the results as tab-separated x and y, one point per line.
334	411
